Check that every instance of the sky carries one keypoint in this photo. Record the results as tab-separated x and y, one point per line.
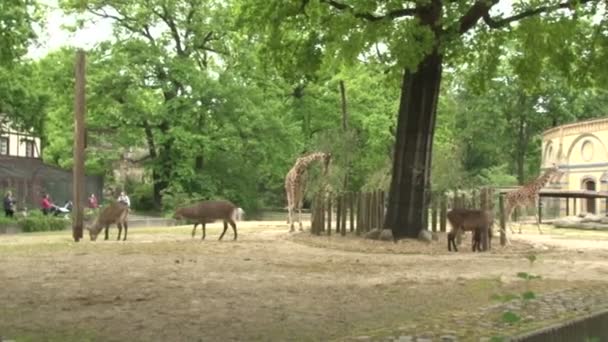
54	36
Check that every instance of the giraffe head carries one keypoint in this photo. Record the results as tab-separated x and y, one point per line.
553	173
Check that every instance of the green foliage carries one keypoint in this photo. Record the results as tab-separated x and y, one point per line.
42	224
528	295
7	220
17	21
527	276
219	99
141	197
510	317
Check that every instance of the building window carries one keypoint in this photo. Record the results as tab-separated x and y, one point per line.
29	148
587	150
4	146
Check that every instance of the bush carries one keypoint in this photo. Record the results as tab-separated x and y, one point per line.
42	224
7	220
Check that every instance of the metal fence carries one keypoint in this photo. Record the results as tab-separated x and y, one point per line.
29	179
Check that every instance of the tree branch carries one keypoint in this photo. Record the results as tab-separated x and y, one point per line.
402	12
499	23
471	17
172	27
125	22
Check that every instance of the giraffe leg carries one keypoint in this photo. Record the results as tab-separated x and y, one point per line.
509	221
290	218
300	217
540	231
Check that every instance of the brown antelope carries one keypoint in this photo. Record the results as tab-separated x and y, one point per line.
474	220
210	211
114	213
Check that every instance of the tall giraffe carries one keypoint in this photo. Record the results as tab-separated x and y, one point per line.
527	194
295	183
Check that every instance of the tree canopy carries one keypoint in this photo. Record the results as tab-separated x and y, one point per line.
216	99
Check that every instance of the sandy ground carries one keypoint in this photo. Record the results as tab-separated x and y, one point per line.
162	285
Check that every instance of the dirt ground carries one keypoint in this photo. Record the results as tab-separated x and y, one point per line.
162	285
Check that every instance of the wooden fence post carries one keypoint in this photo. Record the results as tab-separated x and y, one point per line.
351	206
359	211
344	219
338	212
503	225
484	201
443	212
382	208
434	212
329	209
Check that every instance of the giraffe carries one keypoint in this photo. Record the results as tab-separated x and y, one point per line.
295	183
527	194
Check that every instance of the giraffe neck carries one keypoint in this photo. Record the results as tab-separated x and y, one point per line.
303	162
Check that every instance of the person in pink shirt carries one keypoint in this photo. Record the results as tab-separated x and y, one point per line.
46	204
93	202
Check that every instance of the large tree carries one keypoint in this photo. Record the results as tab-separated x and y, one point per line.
418	38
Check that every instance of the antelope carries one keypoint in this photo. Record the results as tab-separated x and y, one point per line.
210	211
474	220
113	213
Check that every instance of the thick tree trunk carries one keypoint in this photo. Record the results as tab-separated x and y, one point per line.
410	184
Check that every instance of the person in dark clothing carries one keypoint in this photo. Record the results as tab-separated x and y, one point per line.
9	204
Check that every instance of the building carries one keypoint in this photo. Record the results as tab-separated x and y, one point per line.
17	143
579	149
23	171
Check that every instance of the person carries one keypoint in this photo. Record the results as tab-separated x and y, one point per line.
93	202
47	205
123	198
9	204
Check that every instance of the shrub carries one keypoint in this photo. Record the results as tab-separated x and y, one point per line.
42	224
7	220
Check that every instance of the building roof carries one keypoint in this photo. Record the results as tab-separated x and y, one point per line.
592	125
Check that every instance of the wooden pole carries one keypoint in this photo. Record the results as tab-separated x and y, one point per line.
351	208
381	210
338	213
79	127
434	212
329	200
484	202
443	213
503	224
358	216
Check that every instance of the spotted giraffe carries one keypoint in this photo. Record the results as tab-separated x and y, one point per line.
295	183
527	195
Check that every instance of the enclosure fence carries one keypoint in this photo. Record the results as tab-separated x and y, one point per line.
361	212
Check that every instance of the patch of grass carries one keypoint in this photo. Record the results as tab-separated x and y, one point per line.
510	317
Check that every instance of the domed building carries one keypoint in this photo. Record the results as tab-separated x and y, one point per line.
579	149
